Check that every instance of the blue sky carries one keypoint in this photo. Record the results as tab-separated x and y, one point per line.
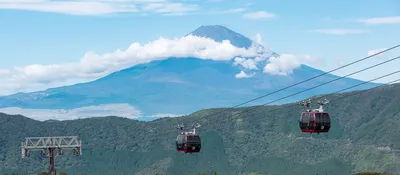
59	32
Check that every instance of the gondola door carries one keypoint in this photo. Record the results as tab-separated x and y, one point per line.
193	143
180	143
307	122
303	122
323	122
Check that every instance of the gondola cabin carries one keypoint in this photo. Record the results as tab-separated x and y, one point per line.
315	122
188	143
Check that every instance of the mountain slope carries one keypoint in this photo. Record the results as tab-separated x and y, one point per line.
220	33
266	140
180	85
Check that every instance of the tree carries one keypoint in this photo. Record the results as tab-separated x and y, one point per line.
373	173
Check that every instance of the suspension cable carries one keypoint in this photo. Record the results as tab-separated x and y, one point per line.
330	81
341	67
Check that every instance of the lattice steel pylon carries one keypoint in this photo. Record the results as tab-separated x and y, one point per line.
48	145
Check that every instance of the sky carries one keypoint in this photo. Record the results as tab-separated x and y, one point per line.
50	43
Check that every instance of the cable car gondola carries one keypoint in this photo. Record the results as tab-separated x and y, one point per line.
188	142
315	121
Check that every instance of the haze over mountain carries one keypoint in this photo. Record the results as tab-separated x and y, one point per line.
177	85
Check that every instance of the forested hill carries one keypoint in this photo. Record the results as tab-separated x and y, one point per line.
265	140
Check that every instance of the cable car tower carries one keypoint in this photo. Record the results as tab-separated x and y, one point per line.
314	120
49	146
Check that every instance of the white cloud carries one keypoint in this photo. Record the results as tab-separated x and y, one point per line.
135	1
162	115
245	63
243	74
4	72
375	51
339	31
20	1
92	65
383	20
258	39
258	15
169	7
286	63
310	60
109	7
96	7
248	4
72	7
340	61
121	110
259	59
206	12
282	65
228	11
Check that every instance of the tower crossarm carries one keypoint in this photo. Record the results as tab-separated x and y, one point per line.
51	142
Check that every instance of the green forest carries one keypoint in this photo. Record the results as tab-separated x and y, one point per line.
262	140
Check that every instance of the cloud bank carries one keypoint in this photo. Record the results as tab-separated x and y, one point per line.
93	66
339	31
243	74
162	115
286	63
77	7
246	63
112	7
121	110
259	15
382	20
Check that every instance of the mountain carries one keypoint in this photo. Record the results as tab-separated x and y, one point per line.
219	33
264	140
179	85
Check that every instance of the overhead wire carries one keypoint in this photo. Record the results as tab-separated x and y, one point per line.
327	82
389	83
339	98
341	67
342	90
